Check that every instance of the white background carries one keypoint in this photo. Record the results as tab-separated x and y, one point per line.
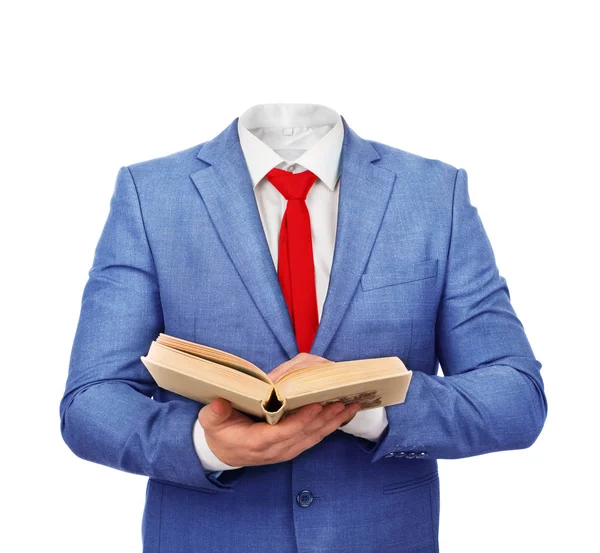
507	91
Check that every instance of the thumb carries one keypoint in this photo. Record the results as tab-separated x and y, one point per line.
216	412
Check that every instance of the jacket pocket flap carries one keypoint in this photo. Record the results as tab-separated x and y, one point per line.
400	275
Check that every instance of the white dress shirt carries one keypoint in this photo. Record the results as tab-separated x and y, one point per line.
297	137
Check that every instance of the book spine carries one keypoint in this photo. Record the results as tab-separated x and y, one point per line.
270	416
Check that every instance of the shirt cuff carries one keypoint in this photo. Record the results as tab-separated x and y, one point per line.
208	459
367	423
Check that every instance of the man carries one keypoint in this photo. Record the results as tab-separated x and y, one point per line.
210	244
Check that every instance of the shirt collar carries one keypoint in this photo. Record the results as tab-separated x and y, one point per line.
321	157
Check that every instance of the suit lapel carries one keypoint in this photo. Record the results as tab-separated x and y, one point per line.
226	189
365	190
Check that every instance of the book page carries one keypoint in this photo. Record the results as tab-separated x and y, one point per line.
388	390
332	373
215	355
184	382
371	382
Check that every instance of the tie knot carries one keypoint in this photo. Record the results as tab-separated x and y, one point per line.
292	186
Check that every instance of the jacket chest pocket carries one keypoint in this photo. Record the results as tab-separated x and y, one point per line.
396	306
422	270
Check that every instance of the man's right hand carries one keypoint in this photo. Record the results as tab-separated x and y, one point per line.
239	441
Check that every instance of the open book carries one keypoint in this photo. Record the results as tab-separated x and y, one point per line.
203	373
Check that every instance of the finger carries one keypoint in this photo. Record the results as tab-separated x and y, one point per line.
263	436
273	440
215	413
317	423
320	433
290	425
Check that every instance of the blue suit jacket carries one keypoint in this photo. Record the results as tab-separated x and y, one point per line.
183	252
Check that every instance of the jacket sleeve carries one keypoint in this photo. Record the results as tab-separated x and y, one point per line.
107	413
491	396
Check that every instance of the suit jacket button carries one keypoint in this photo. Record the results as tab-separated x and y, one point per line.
400	453
389	455
410	454
421	454
304	498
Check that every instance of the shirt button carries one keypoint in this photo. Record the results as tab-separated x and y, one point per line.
304	498
291	167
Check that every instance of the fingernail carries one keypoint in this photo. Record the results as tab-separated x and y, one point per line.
217	408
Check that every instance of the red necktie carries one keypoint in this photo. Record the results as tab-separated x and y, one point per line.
295	262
